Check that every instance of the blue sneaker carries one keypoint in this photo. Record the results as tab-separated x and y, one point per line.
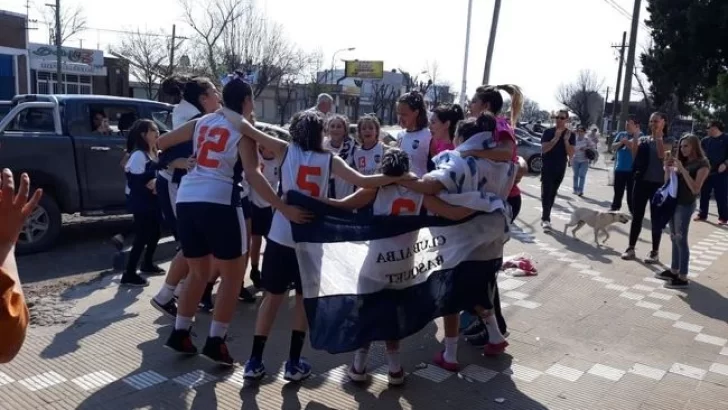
466	319
296	372
254	369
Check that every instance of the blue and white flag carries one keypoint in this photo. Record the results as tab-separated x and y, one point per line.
371	278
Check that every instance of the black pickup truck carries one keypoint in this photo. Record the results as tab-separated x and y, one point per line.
56	140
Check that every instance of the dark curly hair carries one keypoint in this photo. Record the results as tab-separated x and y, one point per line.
485	122
395	163
416	102
181	87
307	131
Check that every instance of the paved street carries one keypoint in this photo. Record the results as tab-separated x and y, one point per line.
589	332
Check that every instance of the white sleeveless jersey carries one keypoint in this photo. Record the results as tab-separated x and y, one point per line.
218	174
397	200
417	145
368	161
271	172
307	172
345	151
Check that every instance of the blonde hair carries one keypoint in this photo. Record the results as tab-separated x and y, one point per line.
490	94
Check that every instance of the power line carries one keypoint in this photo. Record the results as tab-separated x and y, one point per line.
614	5
108	30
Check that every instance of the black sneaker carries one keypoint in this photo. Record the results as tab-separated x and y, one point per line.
628	255
474	329
245	296
216	350
169	309
677	283
134	280
479	340
152	270
665	275
181	342
255	277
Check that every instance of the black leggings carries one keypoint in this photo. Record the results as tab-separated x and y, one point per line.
146	235
550	182
515	203
642	194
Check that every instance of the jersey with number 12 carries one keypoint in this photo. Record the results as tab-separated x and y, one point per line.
307	172
218	172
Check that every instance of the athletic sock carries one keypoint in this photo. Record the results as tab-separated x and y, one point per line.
181	322
218	329
165	294
393	360
361	357
494	334
258	347
451	350
297	340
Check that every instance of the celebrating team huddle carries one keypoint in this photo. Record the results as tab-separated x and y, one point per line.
222	184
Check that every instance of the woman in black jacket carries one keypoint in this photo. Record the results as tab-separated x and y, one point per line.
141	169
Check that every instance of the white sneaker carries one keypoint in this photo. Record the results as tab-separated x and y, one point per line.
355	376
546	225
395	379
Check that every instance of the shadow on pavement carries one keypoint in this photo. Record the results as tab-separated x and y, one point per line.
92	321
706	301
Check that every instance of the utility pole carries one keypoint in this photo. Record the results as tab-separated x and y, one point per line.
59	50
630	65
491	42
619	79
464	85
173	45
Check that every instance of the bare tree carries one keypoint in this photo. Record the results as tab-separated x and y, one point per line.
210	20
312	74
73	21
391	102
285	90
582	96
148	56
380	91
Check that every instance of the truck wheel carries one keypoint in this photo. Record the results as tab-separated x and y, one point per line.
42	228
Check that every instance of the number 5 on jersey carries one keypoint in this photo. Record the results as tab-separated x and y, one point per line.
303	182
211	141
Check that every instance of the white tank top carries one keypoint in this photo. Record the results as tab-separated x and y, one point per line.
345	151
397	200
308	172
368	161
417	145
218	175
271	172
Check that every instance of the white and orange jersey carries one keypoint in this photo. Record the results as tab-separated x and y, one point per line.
368	161
417	145
271	171
397	200
308	172
217	176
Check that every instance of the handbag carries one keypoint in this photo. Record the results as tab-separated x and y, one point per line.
590	154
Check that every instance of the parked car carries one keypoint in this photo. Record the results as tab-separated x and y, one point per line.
52	138
522	133
5	107
531	152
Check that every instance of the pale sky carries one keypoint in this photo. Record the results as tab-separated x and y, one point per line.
540	44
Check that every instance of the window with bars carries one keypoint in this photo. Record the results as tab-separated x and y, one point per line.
72	84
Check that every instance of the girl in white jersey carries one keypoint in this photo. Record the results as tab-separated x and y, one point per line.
338	142
415	139
308	168
367	157
211	223
497	179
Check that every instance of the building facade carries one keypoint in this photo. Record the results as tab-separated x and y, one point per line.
14	70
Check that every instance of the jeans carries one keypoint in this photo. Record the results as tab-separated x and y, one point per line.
580	170
551	178
146	235
679	225
643	192
623	181
718	184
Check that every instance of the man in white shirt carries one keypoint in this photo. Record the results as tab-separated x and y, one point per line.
324	103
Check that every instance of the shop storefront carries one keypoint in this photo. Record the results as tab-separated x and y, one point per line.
79	67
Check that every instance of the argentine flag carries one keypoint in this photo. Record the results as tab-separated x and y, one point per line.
369	278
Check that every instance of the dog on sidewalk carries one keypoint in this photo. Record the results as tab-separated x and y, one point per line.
598	220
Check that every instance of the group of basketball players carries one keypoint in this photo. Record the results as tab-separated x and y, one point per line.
222	186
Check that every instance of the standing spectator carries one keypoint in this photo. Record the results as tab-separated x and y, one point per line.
324	103
692	170
14	209
557	148
648	178
580	162
626	148
716	148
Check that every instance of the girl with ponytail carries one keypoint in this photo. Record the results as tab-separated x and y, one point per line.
443	122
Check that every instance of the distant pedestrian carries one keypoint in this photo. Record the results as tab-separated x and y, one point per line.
557	147
692	170
649	176
625	145
324	105
584	149
715	146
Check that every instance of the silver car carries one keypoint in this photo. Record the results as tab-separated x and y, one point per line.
531	153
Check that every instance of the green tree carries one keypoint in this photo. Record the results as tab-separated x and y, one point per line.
689	50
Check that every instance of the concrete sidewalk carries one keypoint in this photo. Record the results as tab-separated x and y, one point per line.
589	332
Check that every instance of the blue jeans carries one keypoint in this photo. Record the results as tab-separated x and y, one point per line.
679	225
580	169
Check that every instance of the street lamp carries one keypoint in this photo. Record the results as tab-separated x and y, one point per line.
333	59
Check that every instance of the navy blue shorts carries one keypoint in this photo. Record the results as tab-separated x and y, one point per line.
167	196
205	229
261	220
246	205
280	269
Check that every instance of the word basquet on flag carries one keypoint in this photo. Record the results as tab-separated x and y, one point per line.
369	278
